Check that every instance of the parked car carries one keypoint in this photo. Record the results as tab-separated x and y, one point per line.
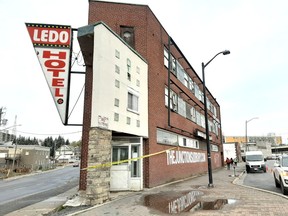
76	164
280	172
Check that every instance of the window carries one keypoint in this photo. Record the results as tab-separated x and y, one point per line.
120	153
128	120
138	123
173	99
203	121
186	82
135	164
197	91
117	54
166	57
117	69
166	137
116	117
193	114
132	102
191	85
127	33
117	83
128	69
184	142
198	117
181	107
116	102
173	65
138	83
188	142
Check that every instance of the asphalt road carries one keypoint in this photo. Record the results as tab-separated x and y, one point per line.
27	190
262	180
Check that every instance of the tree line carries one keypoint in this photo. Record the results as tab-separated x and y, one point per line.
52	143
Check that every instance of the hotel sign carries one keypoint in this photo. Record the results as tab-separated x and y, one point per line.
52	44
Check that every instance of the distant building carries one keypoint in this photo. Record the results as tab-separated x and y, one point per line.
273	140
232	150
262	143
29	156
5	136
65	154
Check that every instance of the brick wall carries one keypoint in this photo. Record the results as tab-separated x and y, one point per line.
150	39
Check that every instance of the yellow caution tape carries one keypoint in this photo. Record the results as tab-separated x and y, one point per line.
125	161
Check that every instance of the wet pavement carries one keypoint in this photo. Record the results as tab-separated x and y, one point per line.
193	197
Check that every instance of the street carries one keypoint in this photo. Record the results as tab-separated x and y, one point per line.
262	180
27	190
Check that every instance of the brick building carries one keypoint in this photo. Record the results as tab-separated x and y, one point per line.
126	52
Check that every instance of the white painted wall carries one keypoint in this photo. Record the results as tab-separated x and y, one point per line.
104	91
229	150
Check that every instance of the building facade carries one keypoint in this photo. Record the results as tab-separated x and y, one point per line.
148	124
66	154
273	140
29	156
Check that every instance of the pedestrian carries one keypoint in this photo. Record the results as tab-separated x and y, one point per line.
235	161
228	162
231	161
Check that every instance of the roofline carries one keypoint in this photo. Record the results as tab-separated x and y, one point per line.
147	6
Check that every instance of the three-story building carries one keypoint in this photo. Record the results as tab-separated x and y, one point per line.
144	122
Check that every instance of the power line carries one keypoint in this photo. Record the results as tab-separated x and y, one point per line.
48	134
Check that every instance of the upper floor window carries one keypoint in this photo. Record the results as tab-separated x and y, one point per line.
132	102
117	54
128	69
127	33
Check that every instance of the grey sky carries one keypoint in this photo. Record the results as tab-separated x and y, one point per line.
250	82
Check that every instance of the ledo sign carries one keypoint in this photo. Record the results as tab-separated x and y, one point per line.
52	45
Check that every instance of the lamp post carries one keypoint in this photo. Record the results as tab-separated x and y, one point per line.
246	139
225	52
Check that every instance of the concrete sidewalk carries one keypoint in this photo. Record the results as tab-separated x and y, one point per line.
193	197
187	197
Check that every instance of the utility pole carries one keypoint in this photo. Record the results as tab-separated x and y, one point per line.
15	148
1	115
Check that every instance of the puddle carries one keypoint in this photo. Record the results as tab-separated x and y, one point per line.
171	202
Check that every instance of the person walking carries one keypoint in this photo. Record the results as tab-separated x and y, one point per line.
228	163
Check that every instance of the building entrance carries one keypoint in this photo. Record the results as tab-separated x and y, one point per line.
127	175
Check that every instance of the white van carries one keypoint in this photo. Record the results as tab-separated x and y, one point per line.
255	161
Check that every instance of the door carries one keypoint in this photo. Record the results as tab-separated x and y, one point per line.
127	175
120	172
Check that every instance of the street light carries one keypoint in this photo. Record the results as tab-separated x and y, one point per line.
225	52
246	139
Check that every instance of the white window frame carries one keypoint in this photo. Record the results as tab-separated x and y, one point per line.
133	101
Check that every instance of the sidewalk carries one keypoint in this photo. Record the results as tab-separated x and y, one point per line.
188	197
228	195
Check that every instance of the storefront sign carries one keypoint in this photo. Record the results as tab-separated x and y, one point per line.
52	44
182	157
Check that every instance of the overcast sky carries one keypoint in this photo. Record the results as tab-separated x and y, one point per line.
250	82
